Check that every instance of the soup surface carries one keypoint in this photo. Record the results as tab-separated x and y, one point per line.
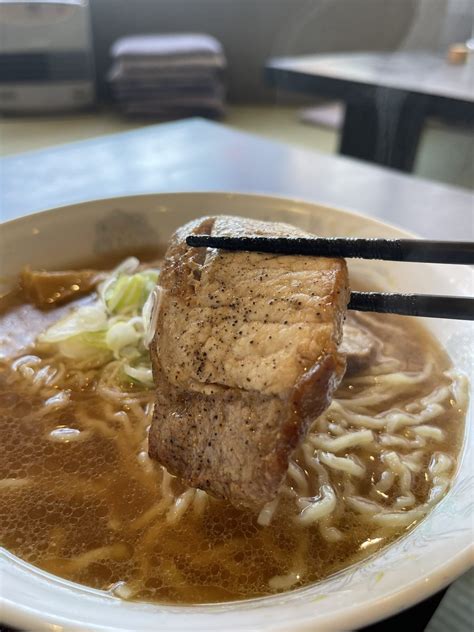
80	498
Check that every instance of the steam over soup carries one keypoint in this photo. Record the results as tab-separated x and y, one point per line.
80	497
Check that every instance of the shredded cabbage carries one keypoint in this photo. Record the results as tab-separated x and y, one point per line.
114	326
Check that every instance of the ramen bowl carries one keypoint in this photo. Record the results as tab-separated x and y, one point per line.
420	563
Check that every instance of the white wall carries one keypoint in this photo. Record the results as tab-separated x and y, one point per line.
439	23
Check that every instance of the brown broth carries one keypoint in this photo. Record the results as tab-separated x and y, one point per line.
82	496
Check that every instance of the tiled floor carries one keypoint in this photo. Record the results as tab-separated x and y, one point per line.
445	154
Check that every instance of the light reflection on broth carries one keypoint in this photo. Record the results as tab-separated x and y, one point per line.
80	498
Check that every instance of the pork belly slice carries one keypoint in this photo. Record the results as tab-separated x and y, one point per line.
359	347
245	357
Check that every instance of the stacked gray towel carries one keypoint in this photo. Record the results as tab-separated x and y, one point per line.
168	76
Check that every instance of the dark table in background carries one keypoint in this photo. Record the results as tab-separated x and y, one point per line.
388	97
197	155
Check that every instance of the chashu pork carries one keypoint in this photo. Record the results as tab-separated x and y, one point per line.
245	356
359	346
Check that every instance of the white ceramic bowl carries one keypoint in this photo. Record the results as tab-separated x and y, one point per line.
424	561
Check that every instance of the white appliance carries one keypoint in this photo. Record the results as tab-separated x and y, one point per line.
46	59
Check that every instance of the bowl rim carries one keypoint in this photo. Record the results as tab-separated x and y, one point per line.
211	193
17	614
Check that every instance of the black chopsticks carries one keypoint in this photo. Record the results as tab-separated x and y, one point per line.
417	250
414	250
427	305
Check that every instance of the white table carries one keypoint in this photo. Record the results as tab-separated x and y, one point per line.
197	155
